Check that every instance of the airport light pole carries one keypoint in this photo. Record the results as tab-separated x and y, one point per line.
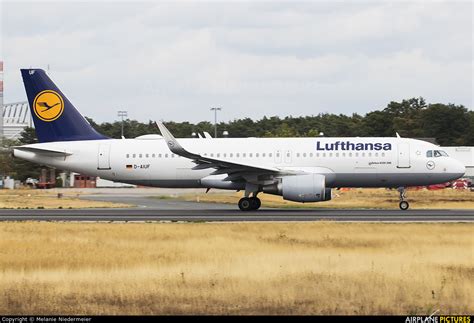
215	120
122	114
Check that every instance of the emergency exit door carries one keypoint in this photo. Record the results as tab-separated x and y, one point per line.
403	155
103	157
288	156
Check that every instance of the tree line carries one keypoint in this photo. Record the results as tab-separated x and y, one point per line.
449	124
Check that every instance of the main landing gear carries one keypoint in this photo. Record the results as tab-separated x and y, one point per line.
249	203
403	204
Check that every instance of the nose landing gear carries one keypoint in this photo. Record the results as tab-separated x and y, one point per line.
404	205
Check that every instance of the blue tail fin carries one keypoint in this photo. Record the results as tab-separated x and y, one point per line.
54	116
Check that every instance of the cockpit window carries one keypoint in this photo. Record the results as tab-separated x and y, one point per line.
436	153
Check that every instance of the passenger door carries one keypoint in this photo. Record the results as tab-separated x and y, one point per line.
103	160
403	155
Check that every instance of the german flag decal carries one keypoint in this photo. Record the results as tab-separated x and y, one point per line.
128	166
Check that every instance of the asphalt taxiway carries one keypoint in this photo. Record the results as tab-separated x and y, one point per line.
164	208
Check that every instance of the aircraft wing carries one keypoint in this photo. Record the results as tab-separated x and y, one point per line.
235	171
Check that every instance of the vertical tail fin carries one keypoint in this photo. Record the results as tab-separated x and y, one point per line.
55	118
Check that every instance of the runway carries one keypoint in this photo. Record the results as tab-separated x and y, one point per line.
234	215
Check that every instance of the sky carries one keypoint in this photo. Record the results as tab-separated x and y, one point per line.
174	61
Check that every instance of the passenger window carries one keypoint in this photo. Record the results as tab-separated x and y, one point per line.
263	154
166	155
337	154
297	155
128	156
429	153
218	155
243	155
134	155
237	155
250	154
153	156
146	155
225	155
172	155
159	155
304	154
140	155
310	154
231	155
270	155
256	155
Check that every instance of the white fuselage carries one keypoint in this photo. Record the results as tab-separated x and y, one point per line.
345	162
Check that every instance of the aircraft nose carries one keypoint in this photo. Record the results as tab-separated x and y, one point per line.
458	168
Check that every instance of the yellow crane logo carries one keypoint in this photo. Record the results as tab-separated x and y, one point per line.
48	105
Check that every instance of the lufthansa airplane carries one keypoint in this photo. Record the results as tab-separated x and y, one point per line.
298	169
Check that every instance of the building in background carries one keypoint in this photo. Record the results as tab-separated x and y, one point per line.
16	117
82	181
1	99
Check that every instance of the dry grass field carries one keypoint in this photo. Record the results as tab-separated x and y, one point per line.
359	198
236	268
46	199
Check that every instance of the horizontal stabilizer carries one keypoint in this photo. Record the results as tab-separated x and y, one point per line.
45	152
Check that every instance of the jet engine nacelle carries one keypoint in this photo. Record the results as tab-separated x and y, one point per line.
301	188
305	188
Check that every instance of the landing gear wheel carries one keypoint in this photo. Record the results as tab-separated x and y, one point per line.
404	205
255	202
245	204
